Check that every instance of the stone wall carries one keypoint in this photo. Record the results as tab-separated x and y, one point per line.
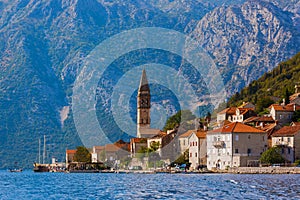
265	170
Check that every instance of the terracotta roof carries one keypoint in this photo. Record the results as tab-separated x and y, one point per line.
111	147
228	111
201	134
160	135
271	128
138	140
287	130
259	119
71	151
237	127
287	108
187	134
295	124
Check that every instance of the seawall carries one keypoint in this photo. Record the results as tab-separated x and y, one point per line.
264	170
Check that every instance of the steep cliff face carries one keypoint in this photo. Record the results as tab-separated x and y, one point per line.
247	40
44	43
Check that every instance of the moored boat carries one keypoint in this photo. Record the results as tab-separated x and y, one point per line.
15	170
41	167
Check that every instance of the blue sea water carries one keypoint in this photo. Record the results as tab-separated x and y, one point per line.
29	185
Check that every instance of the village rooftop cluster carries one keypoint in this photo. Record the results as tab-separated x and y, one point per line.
236	138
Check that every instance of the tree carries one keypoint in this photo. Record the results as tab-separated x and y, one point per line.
296	116
287	96
272	156
262	103
175	120
82	155
183	158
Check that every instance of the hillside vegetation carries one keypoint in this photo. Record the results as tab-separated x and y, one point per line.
280	82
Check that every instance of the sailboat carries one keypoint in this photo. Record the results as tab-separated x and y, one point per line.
16	169
41	167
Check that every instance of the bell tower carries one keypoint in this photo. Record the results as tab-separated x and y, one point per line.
143	105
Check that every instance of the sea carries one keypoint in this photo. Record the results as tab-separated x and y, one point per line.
30	185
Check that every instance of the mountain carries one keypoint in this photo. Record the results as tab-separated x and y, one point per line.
279	82
44	44
247	40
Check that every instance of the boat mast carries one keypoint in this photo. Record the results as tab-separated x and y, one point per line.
39	150
44	153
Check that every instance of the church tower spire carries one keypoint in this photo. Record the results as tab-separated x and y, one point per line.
143	105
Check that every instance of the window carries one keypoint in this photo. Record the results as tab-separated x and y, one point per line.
236	137
195	143
248	151
249	137
289	151
263	138
183	142
196	155
236	151
282	150
190	143
289	139
191	155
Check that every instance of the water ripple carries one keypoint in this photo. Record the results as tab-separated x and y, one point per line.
29	185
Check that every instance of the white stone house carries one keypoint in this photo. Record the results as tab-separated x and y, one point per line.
235	145
288	139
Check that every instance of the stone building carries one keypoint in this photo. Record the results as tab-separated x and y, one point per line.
288	139
283	113
197	149
235	145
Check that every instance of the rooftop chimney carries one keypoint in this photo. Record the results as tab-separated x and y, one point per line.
283	102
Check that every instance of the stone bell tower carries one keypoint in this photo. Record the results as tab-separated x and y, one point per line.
143	105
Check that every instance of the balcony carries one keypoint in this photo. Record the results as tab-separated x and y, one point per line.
219	144
281	143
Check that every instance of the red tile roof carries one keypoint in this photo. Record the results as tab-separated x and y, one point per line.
287	108
71	151
287	130
237	127
187	134
228	111
259	119
201	134
138	140
295	123
160	135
